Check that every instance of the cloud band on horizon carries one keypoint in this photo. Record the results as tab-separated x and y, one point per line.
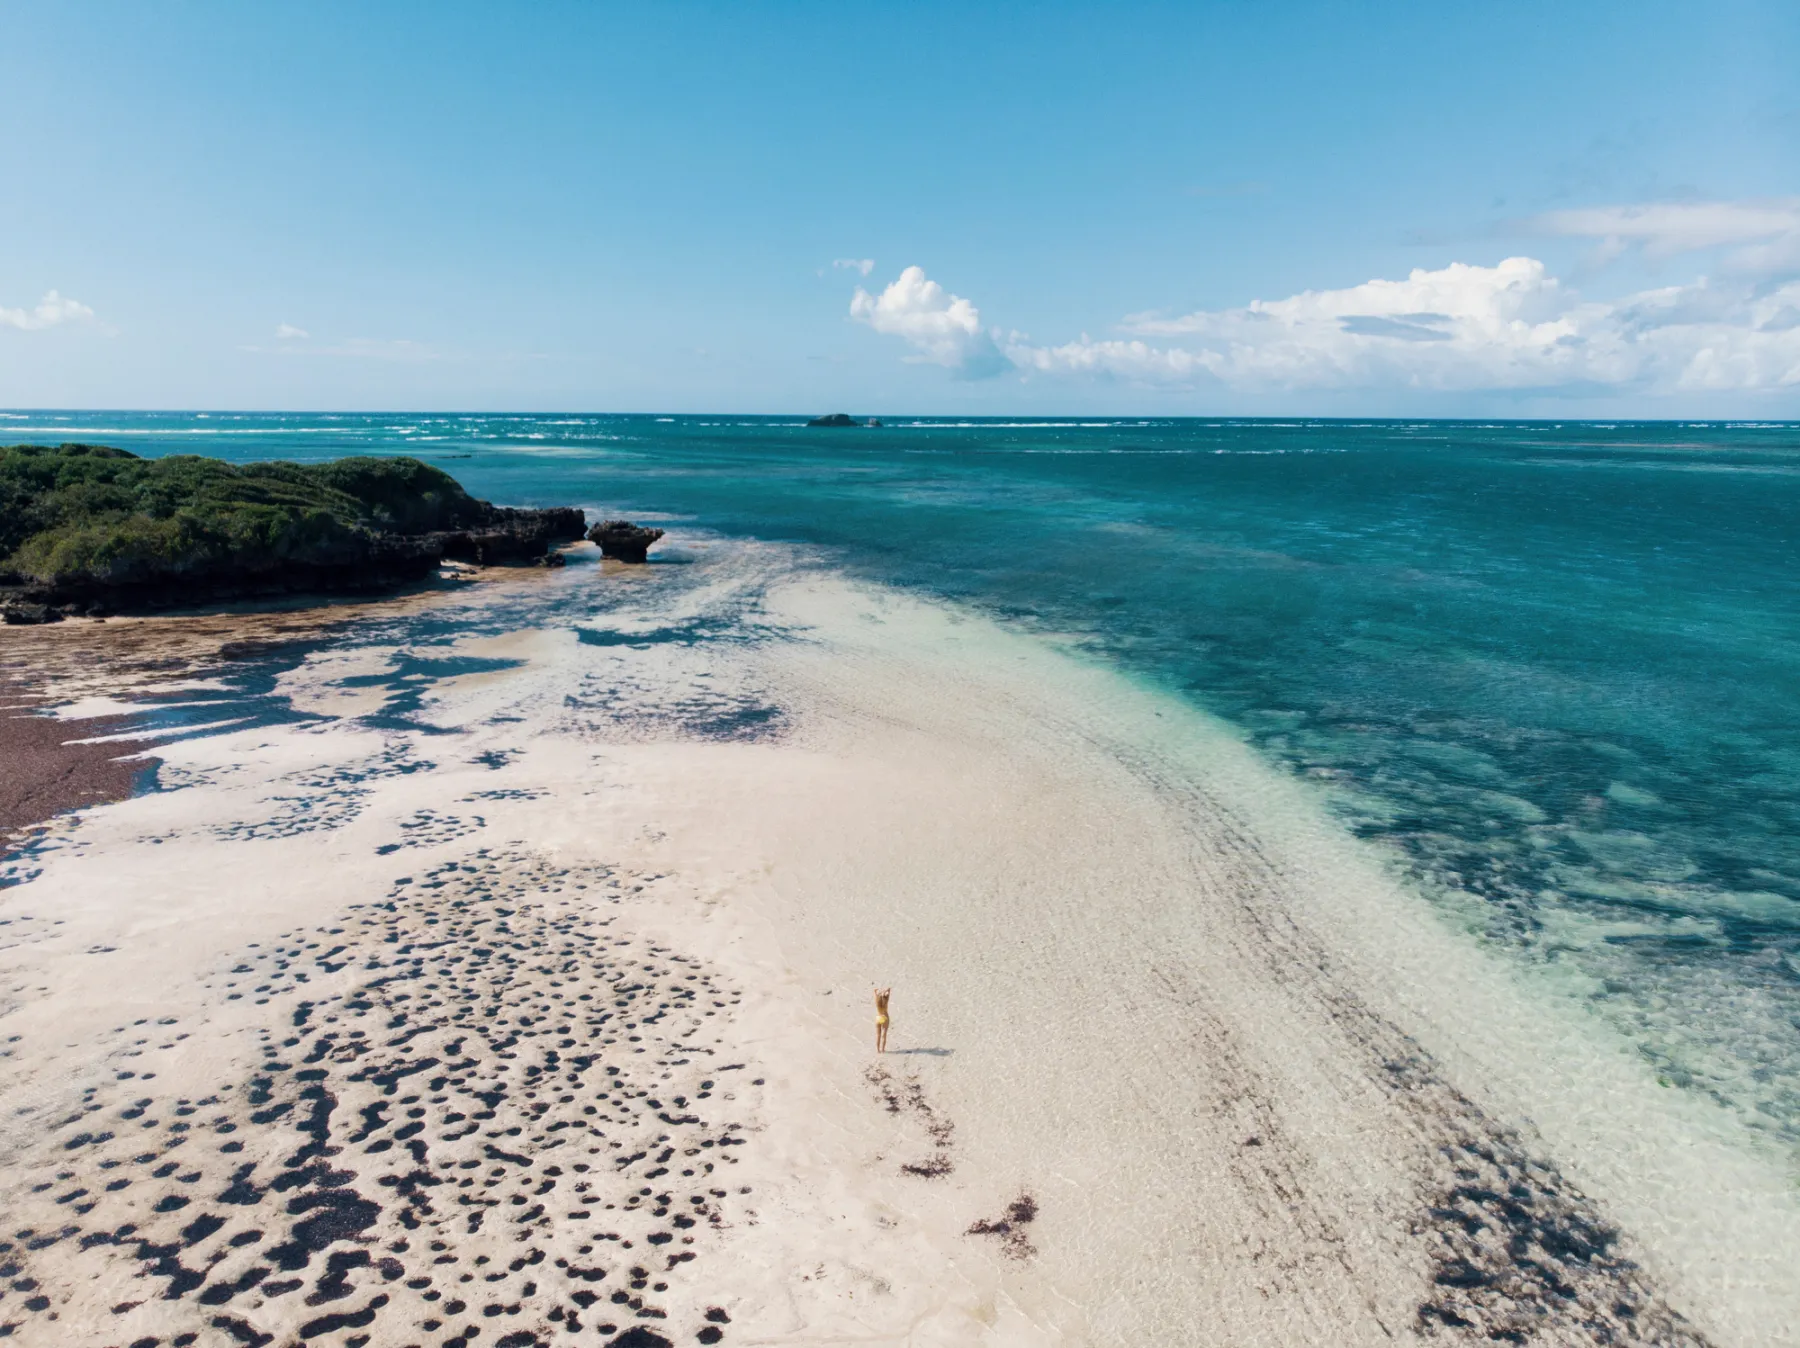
1464	327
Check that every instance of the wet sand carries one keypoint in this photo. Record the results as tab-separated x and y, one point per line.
541	1015
54	765
47	772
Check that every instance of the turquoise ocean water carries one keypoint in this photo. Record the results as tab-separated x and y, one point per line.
1553	669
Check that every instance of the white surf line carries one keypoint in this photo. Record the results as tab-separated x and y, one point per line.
92	708
163	733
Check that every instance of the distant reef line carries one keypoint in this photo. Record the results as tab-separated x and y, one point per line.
91	530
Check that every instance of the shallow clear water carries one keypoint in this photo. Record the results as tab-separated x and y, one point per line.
1555	669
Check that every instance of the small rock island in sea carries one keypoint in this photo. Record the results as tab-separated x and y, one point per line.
87	529
623	540
837	419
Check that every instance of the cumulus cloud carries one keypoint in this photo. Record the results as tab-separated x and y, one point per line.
1463	327
288	332
862	266
943	329
52	310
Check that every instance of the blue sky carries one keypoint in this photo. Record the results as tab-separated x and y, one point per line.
1451	209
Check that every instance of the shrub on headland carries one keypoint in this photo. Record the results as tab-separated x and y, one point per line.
89	518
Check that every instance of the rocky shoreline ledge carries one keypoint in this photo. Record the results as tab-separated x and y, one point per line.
92	530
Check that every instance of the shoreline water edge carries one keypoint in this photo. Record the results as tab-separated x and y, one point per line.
491	966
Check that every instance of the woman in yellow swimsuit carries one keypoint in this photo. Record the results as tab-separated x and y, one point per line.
881	1019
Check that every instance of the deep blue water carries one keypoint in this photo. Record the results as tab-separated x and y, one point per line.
1554	668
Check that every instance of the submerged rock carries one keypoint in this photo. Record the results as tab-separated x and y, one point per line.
624	540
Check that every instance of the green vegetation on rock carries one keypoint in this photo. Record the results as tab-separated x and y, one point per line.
88	515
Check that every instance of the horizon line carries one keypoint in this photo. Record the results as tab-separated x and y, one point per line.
1094	419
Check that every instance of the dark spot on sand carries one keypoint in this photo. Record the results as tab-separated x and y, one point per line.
639	1336
1020	1213
330	1324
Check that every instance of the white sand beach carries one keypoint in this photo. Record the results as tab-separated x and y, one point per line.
551	1022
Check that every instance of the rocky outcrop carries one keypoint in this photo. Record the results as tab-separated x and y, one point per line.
24	613
361	563
514	537
623	540
836	419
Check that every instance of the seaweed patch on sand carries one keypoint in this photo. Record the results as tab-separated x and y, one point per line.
1518	1253
906	1096
1515	1251
473	1111
1020	1213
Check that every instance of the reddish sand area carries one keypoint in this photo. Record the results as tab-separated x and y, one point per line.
47	772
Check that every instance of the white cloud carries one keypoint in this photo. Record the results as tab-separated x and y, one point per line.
1673	227
942	328
288	332
50	311
1134	360
1464	327
862	266
1764	235
1507	326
